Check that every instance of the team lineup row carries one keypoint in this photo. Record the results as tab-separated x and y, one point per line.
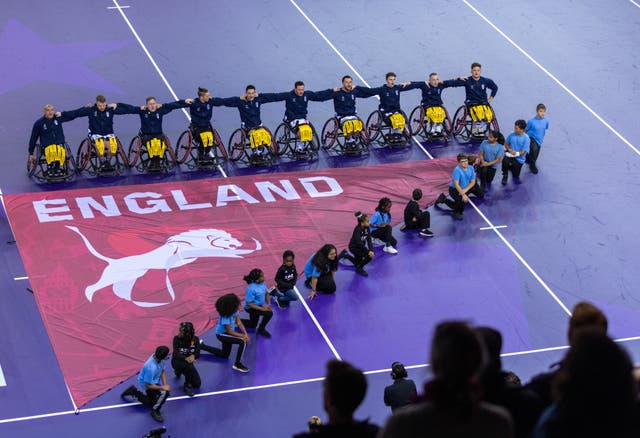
201	146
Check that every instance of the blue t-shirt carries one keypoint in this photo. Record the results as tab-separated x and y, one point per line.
537	128
255	293
519	143
464	177
226	320
311	270
378	218
491	151
151	373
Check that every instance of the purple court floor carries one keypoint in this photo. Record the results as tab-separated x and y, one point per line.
519	260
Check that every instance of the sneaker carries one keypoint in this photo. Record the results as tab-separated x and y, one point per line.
441	199
390	249
403	227
362	272
377	242
129	392
426	233
504	180
533	168
264	332
456	215
188	389
156	415
272	291
343	254
239	367
279	303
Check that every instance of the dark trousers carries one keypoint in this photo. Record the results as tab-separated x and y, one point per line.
534	151
359	256
510	163
154	398
486	174
384	234
254	316
458	205
326	284
423	220
191	375
227	343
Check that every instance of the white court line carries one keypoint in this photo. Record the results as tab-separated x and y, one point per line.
638	5
3	382
315	321
491	226
494	228
118	7
155	65
272	385
556	80
20	278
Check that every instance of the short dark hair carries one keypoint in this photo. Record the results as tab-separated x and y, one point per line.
161	352
100	98
227	305
345	386
521	124
346	77
476	64
288	253
417	194
150	98
202	91
586	315
298	84
388	75
541	106
433	74
462	157
249	87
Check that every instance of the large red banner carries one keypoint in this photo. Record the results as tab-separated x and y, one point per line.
113	269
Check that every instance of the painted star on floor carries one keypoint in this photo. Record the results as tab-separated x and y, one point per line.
28	57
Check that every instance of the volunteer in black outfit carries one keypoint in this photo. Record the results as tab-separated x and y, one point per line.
186	349
360	245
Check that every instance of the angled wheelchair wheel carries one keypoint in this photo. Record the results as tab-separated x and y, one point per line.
374	125
70	163
237	144
460	122
283	137
221	151
494	123
183	146
447	125
84	155
122	161
169	154
135	149
315	140
416	120
330	133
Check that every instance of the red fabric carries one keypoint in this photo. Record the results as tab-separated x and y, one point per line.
102	336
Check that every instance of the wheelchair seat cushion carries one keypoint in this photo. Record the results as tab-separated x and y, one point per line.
305	131
397	121
259	137
481	112
435	114
55	152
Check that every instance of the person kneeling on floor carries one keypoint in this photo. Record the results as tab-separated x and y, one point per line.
463	182
186	349
416	218
360	245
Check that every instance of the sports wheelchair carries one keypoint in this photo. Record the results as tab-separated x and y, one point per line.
431	123
200	151
298	142
470	130
348	138
151	154
254	147
102	156
52	165
380	129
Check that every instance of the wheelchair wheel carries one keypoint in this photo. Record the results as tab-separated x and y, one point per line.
374	125
121	157
135	148
416	120
71	163
494	123
282	137
330	133
315	141
446	124
237	144
460	122
183	146
32	167
83	157
168	150
221	150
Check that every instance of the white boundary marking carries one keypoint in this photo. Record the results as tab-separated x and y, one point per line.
494	228
556	80
315	321
3	382
155	65
273	385
118	7
20	278
491	225
638	5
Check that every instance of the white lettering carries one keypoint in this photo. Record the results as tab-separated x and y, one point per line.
308	184
240	195
151	206
183	204
44	212
85	204
287	192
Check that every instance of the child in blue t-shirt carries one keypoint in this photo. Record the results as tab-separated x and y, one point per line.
463	183
491	154
536	129
380	226
227	307
516	148
256	302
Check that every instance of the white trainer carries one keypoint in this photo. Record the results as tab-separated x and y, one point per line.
390	249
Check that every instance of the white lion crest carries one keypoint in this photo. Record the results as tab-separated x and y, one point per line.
179	250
